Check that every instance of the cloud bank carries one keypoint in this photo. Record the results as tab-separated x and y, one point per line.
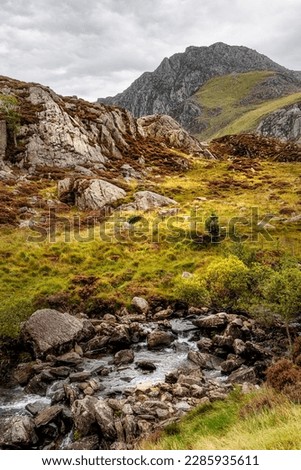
97	48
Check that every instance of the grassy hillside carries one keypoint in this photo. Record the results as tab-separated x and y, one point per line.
228	106
112	264
262	420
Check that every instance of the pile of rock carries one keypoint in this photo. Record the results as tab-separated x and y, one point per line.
226	346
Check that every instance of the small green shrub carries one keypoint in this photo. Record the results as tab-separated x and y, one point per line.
282	290
227	281
244	252
192	290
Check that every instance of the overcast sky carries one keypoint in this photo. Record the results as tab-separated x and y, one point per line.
96	48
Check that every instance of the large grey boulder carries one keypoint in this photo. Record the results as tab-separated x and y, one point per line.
50	331
159	339
90	194
47	415
243	374
90	413
148	200
215	321
125	356
97	194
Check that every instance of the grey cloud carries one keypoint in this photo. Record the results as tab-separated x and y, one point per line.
98	47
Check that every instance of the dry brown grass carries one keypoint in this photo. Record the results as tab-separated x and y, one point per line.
285	376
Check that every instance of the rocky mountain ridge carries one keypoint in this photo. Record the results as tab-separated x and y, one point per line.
170	88
72	134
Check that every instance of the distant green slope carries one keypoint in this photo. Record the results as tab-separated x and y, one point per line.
229	107
251	119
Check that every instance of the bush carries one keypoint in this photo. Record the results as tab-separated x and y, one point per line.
284	376
192	290
245	253
253	300
283	291
264	400
227	281
259	274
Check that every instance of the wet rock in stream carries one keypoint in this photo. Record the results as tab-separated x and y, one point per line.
131	377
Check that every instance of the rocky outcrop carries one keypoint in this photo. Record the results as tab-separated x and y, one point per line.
168	90
49	330
89	139
147	200
90	194
283	124
166	129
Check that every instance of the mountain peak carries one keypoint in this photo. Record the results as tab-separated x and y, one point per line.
168	90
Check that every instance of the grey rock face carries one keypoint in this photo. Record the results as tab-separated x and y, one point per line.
167	90
105	419
61	138
86	443
49	330
170	132
90	139
47	415
83	412
284	124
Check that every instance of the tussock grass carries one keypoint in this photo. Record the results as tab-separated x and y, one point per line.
150	262
263	420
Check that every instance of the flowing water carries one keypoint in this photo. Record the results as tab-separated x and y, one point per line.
119	378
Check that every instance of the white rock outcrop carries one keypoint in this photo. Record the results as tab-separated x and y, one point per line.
147	200
91	194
